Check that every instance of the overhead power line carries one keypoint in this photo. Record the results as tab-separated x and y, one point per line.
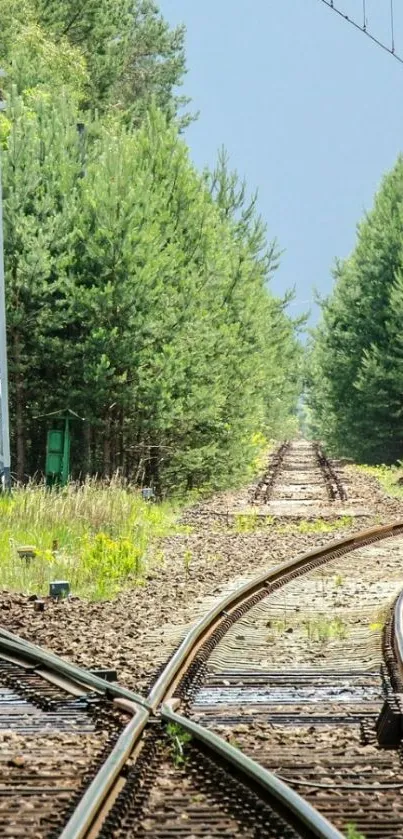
365	28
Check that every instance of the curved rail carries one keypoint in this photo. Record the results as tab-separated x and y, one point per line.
85	814
162	691
398	632
265	781
203	629
94	797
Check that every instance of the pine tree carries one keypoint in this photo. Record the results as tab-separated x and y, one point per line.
354	401
133	56
137	288
40	169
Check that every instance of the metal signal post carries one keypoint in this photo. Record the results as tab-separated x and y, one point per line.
5	462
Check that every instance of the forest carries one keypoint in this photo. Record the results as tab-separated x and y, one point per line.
138	288
355	359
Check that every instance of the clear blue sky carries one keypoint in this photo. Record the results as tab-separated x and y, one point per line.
310	111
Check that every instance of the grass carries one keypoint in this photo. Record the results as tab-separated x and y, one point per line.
387	477
178	740
325	629
317	525
250	522
100	538
352	832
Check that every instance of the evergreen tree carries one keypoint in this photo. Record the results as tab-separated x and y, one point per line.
137	289
40	170
133	56
353	390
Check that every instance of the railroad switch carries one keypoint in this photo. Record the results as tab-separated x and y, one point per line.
389	723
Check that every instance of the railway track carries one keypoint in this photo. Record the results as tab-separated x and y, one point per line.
52	707
299	473
57	725
293	710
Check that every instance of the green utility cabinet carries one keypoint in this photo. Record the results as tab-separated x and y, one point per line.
58	455
57	465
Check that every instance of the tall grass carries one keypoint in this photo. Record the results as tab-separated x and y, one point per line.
387	476
98	537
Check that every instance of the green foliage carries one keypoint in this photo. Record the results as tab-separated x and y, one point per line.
388	477
100	538
39	65
113	559
115	54
355	374
178	740
137	289
325	629
353	833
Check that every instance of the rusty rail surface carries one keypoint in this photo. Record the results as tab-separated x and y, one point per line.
397	637
142	709
209	623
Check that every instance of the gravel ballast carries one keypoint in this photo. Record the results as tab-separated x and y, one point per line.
137	631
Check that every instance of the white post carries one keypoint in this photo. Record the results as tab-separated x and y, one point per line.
5	432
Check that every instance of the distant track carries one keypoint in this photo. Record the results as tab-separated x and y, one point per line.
299	471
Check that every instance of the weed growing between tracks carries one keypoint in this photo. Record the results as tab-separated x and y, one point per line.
178	740
101	538
317	525
352	832
325	629
252	522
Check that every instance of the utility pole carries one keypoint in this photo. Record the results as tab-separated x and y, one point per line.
4	421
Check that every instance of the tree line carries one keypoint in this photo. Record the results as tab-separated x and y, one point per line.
137	287
355	363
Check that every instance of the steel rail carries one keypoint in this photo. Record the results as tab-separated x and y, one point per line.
271	474
98	791
204	628
17	646
398	632
269	784
96	794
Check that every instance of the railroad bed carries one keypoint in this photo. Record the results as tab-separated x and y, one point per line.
294	670
54	732
299	683
312	720
64	731
301	481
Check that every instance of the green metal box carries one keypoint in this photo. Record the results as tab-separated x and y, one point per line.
54	452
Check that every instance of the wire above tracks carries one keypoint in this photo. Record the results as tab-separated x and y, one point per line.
364	28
